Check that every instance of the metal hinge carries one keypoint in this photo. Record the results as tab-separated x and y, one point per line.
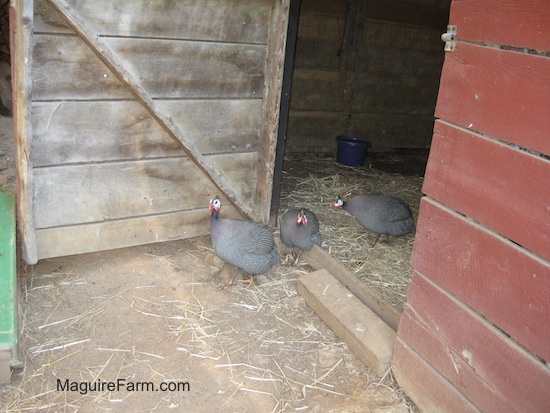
449	38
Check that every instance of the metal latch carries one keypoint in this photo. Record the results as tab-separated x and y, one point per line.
449	38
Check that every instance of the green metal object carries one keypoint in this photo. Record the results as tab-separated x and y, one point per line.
8	285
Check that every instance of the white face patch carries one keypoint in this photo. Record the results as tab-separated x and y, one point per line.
337	203
302	219
215	204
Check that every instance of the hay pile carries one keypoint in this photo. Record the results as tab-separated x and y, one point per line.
314	182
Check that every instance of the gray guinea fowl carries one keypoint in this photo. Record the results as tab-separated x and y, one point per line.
379	213
244	244
300	228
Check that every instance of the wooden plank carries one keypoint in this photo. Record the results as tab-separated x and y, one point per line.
21	27
386	131
245	21
429	391
497	185
387	61
128	78
365	334
394	95
401	36
427	13
492	371
317	131
318	259
312	132
317	90
67	69
352	39
68	132
328	24
317	54
499	93
100	236
116	190
503	282
507	22
271	107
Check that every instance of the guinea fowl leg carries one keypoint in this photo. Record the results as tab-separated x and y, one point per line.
290	254
232	279
375	240
298	257
224	272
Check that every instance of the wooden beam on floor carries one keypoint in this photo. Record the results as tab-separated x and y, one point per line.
318	259
364	332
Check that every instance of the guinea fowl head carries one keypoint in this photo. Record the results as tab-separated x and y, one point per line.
302	219
215	205
337	203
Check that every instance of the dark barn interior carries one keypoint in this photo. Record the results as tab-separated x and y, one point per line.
369	69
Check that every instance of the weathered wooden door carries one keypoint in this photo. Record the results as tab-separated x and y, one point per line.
475	333
131	114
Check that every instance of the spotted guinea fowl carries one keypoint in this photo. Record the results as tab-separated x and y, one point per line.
379	213
300	228
244	244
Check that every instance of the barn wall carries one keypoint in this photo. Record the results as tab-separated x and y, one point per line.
475	332
107	165
367	69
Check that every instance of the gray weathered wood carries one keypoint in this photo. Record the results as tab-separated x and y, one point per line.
21	26
128	77
242	21
75	194
271	104
69	132
67	68
99	236
364	332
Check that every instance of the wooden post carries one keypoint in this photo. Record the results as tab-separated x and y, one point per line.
284	110
355	23
272	103
21	27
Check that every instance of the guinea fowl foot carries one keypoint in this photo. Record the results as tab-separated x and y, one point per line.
298	258
250	282
385	240
224	272
293	256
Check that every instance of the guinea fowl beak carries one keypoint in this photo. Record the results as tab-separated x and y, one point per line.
302	218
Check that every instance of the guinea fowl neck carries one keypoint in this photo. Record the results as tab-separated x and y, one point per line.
215	215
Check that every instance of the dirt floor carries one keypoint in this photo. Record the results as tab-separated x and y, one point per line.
155	315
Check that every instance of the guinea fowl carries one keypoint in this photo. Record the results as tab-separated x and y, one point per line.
300	228
379	213
244	244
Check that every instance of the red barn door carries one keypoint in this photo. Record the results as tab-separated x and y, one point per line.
475	333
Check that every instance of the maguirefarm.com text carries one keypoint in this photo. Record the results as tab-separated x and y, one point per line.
85	387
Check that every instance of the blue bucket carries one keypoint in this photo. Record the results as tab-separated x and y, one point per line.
351	150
